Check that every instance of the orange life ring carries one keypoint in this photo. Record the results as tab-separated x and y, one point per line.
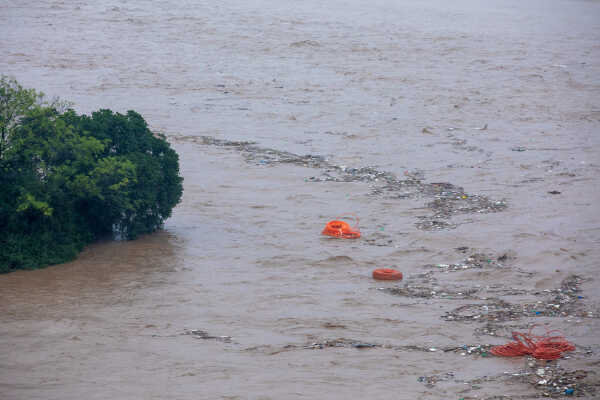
387	274
340	229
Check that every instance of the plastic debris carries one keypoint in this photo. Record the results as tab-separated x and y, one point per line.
200	334
451	200
555	381
363	345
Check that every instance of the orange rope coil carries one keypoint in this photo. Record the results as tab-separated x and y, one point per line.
541	347
341	229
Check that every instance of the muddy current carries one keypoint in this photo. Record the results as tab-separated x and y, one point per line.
464	137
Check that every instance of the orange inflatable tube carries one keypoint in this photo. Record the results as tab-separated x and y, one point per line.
341	229
387	274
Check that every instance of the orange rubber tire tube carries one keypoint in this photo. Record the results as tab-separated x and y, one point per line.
387	274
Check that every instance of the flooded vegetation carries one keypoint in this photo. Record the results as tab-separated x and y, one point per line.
462	135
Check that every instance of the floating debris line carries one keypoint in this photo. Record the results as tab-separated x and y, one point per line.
548	379
561	302
427	292
448	199
200	334
554	381
478	350
476	260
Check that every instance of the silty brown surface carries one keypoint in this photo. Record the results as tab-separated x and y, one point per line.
464	135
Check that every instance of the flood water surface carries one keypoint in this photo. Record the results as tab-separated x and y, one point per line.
462	135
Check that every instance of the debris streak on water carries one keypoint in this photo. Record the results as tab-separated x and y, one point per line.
463	134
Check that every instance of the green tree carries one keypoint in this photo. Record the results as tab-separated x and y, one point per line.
68	179
15	101
157	187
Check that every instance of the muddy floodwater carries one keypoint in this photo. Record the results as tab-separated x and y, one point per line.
464	135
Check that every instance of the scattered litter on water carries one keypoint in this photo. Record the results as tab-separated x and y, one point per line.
200	334
426	292
305	43
560	302
554	381
431	380
449	199
475	260
357	344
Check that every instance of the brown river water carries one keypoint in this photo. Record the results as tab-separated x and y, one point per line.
465	135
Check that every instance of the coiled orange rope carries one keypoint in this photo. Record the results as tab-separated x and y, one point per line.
545	347
341	229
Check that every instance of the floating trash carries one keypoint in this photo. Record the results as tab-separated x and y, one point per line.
341	229
449	200
387	274
545	347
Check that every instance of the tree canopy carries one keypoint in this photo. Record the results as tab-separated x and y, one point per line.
67	179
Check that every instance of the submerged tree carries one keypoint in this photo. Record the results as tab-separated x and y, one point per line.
15	101
68	179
